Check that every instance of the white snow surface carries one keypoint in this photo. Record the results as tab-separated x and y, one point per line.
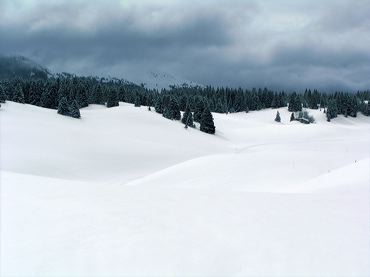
126	192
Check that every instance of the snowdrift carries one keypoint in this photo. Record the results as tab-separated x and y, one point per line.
125	192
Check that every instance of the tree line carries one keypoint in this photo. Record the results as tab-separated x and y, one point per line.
67	94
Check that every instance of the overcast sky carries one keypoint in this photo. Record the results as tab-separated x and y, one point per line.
275	43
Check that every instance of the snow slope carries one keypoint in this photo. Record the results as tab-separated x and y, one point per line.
124	191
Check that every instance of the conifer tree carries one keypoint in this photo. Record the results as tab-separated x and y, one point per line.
332	110
187	118
174	109
158	105
63	107
206	123
46	99
137	100
81	96
2	94
198	110
364	108
295	104
167	113
96	96
292	117
74	110
112	98
277	118
18	95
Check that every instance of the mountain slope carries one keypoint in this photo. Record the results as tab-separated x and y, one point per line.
20	67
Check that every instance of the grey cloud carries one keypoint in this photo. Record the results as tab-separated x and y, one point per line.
213	43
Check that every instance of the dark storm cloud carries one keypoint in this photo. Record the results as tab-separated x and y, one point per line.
245	44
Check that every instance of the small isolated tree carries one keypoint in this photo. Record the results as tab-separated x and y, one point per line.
292	118
74	110
63	107
187	118
277	118
206	123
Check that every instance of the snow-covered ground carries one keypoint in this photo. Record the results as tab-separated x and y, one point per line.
123	191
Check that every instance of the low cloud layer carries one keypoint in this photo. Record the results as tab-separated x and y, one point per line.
278	44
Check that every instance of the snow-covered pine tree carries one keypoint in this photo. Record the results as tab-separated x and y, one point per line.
206	123
158	106
332	110
295	104
174	109
46	99
2	94
277	118
74	110
18	95
137	102
198	110
187	118
63	107
292	118
81	96
167	113
112	98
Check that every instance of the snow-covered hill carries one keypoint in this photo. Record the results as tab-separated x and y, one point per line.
124	191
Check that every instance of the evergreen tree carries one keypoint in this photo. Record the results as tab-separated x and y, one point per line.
187	118
277	118
206	123
18	95
74	110
96	95
364	108
112	98
292	117
2	94
47	100
332	110
137	100
158	105
63	107
198	110
81	96
167	113
295	104
174	109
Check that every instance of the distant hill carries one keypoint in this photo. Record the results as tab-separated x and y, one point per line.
21	67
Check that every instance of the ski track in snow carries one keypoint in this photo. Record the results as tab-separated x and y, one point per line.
125	192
